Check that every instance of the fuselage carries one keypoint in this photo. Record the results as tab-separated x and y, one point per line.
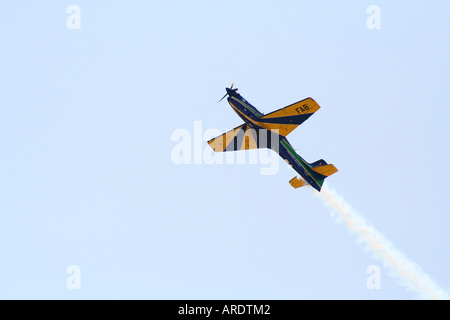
243	108
251	116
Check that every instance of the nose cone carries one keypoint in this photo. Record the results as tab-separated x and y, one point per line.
232	91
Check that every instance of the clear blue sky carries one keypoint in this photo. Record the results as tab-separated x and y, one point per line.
87	117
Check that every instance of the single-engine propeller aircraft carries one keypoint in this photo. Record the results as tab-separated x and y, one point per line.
270	131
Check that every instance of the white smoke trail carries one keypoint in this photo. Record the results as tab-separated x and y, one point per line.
409	273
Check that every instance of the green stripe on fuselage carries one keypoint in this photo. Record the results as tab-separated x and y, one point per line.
302	162
254	111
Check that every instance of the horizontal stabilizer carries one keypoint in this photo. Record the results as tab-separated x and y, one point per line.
326	170
298	182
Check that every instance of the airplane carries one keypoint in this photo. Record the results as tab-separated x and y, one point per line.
270	131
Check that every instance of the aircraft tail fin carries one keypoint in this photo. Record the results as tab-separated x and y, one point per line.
320	170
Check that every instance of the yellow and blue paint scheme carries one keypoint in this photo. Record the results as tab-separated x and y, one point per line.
270	131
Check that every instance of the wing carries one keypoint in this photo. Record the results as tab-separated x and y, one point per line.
285	120
243	138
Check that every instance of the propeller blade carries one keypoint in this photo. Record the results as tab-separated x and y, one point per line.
223	97
232	84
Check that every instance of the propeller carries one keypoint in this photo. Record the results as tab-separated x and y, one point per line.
223	97
229	90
